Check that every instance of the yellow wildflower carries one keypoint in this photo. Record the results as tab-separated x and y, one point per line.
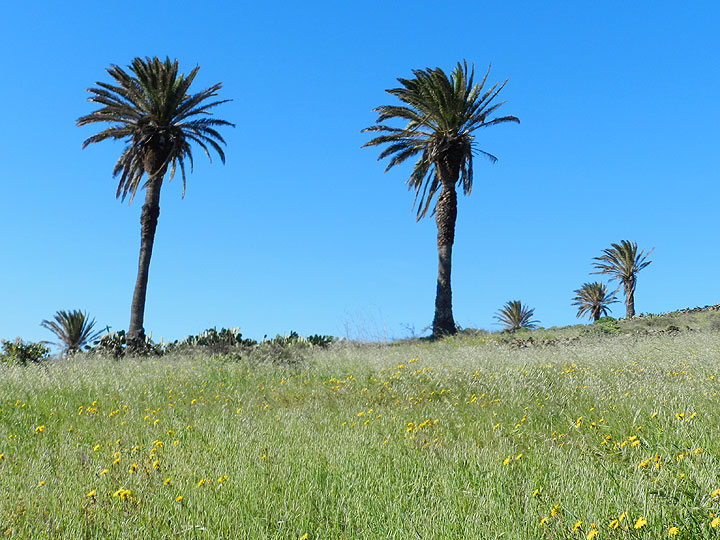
166	481
122	493
41	483
178	498
715	522
90	493
577	525
303	537
591	534
542	521
641	521
673	531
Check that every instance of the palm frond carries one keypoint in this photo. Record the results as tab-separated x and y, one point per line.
622	262
593	299
440	114
149	106
74	330
514	316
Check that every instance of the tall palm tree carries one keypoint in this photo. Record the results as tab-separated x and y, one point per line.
514	316
622	262
151	109
74	330
441	113
593	299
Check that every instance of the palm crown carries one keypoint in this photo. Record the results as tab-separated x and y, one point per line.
593	299
442	113
622	262
151	109
514	316
74	330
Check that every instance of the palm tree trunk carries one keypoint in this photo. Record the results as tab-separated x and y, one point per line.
148	223
629	302
445	216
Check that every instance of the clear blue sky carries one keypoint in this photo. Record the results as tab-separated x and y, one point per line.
301	229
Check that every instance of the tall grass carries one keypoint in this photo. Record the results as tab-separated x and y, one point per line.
449	440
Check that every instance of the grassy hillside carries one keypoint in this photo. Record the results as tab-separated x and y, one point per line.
686	320
468	438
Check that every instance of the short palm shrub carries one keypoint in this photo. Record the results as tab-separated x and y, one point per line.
593	300
514	316
73	329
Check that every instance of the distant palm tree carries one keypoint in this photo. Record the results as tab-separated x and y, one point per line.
593	299
442	113
622	262
74	329
151	109
514	316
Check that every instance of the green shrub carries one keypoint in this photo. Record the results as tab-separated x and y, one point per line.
114	344
19	352
606	319
289	349
226	341
608	327
317	340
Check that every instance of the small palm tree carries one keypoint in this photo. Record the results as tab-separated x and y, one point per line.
151	109
622	262
441	113
593	299
514	316
74	330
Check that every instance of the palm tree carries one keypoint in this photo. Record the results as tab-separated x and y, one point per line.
622	262
441	113
514	315
151	109
593	299
74	329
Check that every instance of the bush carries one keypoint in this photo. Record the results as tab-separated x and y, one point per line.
19	352
317	340
114	344
606	319
606	327
290	349
286	349
226	341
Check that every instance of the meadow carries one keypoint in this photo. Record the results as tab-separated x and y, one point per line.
604	438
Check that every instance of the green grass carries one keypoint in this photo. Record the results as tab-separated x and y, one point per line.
461	439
